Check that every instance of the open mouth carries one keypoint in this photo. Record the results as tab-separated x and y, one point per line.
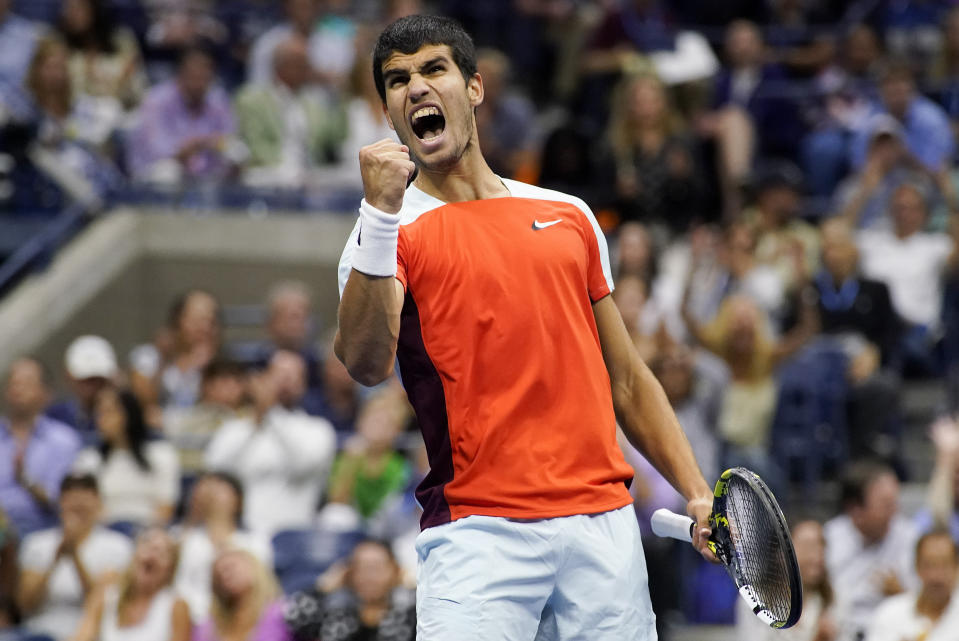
427	123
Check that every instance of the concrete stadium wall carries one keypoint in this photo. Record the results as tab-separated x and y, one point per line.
118	277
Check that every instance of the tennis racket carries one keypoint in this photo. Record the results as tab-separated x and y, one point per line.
751	539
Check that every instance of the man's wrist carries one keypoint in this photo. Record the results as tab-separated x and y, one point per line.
375	251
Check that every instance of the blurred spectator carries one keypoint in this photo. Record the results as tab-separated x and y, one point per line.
330	35
843	94
858	312
740	336
67	139
925	126
289	126
507	119
632	299
568	163
754	112
290	326
339	397
184	126
784	241
9	565
212	525
929	613
222	398
634	251
90	364
105	60
911	262
365	123
36	452
816	622
140	605
168	377
18	37
657	178
245	603
863	198
281	455
139	479
869	547
369	603
370	469
61	566
717	270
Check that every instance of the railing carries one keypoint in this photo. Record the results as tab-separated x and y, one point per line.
39	249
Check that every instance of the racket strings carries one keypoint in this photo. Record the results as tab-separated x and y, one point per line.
758	550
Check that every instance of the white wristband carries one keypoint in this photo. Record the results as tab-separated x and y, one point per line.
375	251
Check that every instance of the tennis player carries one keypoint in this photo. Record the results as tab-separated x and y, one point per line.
495	298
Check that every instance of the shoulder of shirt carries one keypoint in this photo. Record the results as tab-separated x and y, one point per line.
51	428
107	537
524	190
49	537
416	202
897	604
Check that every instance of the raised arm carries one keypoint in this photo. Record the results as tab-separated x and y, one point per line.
648	420
369	314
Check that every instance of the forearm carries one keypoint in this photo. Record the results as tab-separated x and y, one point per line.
86	581
648	421
940	497
369	326
33	589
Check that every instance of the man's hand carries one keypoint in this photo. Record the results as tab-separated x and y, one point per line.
386	169
699	509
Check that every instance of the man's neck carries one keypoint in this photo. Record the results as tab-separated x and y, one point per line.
22	425
470	179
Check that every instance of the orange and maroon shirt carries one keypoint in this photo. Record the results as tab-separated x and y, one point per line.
500	355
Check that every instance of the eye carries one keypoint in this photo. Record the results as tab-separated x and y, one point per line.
396	81
437	68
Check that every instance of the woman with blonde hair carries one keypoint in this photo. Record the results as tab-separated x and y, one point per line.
657	180
141	605
246	604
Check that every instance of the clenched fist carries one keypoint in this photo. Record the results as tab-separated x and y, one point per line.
386	169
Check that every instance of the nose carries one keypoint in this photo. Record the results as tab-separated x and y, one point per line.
417	88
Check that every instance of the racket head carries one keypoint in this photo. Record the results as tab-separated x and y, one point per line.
752	540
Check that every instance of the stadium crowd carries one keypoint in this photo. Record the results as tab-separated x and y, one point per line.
778	182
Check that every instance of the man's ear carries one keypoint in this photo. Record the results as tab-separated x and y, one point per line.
474	89
389	120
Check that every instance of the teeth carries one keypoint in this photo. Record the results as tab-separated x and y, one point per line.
426	111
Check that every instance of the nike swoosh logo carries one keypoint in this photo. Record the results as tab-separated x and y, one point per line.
538	225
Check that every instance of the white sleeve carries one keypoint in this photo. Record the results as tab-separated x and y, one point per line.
223	450
88	461
311	442
346	258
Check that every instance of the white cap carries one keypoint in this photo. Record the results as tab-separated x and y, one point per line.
90	357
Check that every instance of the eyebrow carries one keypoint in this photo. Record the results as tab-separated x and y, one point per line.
402	71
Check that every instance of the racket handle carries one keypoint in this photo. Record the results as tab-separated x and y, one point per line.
669	524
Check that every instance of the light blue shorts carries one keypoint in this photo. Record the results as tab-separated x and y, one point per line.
571	578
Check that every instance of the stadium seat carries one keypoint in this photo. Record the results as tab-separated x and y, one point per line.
300	556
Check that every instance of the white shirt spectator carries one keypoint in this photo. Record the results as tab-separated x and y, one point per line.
856	569
156	625
911	267
896	619
129	492
283	463
331	50
193	582
102	551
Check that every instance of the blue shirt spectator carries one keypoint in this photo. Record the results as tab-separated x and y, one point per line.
36	452
925	126
18	36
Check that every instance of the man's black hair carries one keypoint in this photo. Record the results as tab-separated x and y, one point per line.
79	481
857	479
409	34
